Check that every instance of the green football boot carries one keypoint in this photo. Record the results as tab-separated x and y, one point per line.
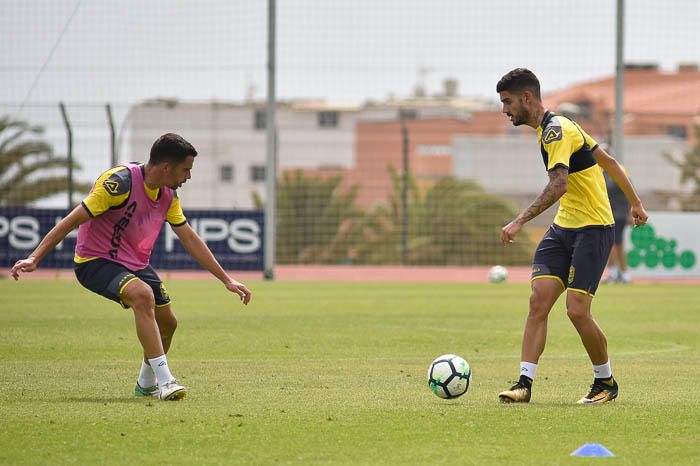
140	391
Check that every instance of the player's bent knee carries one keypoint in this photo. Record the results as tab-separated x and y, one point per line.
545	290
537	308
578	311
578	306
540	303
139	296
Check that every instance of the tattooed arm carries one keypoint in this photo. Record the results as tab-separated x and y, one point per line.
557	186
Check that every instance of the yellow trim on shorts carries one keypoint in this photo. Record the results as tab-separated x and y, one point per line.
163	305
121	290
81	260
561	282
581	291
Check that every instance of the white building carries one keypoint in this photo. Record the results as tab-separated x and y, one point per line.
230	139
512	165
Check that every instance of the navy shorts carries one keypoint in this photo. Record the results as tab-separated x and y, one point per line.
620	225
576	257
108	279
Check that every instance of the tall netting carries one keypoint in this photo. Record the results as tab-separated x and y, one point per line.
390	141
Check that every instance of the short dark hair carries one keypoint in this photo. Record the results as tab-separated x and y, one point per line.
171	147
518	80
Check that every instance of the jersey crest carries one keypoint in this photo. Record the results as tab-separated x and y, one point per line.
552	134
111	186
118	182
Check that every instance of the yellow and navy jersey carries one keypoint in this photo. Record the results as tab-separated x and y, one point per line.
564	143
112	190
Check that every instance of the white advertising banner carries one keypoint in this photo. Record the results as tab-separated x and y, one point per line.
668	246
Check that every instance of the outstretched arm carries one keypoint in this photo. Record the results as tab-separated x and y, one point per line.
610	165
67	224
199	250
557	186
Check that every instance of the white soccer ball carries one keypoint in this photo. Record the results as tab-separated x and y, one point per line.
449	376
498	274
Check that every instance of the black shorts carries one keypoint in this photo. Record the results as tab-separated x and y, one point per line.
108	279
620	225
577	258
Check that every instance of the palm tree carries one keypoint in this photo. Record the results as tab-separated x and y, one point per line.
23	161
314	219
450	222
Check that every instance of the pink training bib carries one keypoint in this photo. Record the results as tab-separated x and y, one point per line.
126	234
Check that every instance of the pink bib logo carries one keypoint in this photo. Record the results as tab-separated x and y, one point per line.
119	227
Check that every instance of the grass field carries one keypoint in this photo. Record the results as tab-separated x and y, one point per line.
333	373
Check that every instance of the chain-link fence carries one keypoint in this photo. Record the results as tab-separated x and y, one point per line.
390	141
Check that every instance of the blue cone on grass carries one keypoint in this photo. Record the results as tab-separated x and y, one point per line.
592	449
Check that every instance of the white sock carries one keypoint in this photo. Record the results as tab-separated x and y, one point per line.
603	371
528	369
147	378
160	367
613	272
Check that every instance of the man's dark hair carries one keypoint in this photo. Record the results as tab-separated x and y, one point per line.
519	80
171	147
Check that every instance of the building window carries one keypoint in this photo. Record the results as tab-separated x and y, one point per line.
328	119
257	173
408	114
226	173
677	131
260	119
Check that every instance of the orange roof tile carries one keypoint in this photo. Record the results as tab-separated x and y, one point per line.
646	91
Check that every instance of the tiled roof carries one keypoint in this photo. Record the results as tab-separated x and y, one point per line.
646	92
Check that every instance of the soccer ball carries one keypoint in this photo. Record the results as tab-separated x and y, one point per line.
449	376
498	274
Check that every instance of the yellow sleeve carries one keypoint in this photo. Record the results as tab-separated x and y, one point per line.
175	215
111	189
591	142
559	143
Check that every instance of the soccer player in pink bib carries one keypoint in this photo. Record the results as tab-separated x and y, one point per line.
119	222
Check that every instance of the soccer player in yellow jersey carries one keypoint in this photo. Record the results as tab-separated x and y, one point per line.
572	254
119	222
